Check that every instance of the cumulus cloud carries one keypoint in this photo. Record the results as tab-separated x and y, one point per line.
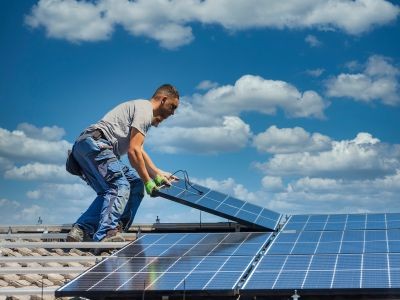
39	171
327	195
290	140
313	41
232	135
272	183
254	93
54	191
53	133
362	157
168	22
7	203
378	82
19	146
228	186
206	85
315	72
210	123
71	20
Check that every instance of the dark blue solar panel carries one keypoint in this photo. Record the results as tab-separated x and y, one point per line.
344	222
325	242
173	262
221	205
334	271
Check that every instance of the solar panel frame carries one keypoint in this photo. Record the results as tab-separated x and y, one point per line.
330	222
325	274
136	274
342	242
361	262
222	205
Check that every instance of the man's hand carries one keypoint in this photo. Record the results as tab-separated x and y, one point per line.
169	177
160	180
151	187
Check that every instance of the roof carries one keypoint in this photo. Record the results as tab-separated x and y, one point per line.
35	260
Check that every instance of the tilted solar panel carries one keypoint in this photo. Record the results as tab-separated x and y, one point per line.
343	222
221	205
172	263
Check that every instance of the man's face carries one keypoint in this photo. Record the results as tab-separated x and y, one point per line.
167	108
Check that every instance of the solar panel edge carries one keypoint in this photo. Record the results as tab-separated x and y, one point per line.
217	213
101	278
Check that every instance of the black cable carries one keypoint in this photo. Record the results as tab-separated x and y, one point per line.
187	181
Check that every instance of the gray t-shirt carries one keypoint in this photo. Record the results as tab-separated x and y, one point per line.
117	123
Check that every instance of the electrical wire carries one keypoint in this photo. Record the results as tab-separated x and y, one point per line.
187	181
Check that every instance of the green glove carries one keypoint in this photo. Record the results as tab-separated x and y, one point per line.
159	180
151	187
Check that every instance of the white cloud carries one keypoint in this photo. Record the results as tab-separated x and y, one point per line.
379	81
272	183
315	72
17	146
313	41
249	93
7	203
5	164
77	192
290	140
30	213
168	22
209	123
254	93
362	157
228	186
326	195
46	133
206	85
39	171
72	20
232	135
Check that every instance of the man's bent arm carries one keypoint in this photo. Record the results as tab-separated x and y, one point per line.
135	154
150	166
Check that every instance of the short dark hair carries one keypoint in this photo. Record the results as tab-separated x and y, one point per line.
168	90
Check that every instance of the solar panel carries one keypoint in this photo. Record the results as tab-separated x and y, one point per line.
343	222
156	263
326	242
330	271
221	205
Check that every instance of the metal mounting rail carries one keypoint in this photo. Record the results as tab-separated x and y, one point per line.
68	245
45	236
27	291
44	259
43	270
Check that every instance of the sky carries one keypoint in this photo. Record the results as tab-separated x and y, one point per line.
291	105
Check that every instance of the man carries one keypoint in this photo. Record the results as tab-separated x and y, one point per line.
97	152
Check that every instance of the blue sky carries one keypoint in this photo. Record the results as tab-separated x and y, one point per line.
292	106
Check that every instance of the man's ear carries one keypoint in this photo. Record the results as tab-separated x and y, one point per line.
163	100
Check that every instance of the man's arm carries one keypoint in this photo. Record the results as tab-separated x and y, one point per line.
135	155
160	176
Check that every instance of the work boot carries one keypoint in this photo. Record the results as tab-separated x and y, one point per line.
113	235
77	234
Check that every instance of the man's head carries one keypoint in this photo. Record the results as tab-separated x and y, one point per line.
165	101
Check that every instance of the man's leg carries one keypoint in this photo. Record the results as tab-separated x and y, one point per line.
103	171
135	198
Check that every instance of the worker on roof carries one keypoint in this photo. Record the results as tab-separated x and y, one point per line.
95	157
